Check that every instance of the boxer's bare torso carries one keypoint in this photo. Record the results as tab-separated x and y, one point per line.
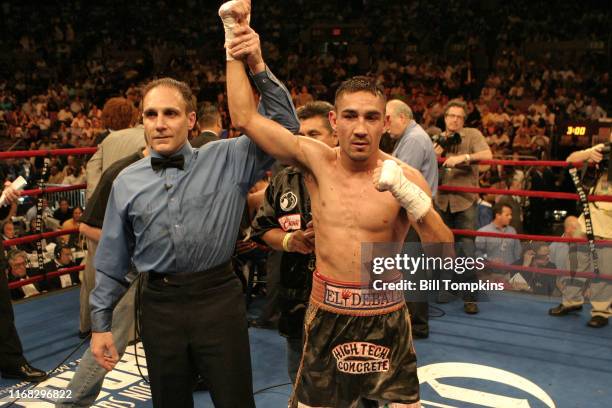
348	211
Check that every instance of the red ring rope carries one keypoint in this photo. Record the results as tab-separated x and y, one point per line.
47	152
63	271
526	193
547	271
36	237
38	191
544	238
494	265
547	163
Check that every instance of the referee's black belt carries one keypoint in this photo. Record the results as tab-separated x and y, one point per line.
216	274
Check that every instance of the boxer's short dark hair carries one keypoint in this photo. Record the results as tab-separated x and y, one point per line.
361	84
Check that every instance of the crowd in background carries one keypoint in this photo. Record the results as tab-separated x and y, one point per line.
58	71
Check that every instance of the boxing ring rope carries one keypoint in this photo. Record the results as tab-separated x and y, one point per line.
59	272
524	193
496	266
526	237
502	162
34	237
546	271
37	192
456	189
20	154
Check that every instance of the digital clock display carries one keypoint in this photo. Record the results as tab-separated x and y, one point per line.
576	130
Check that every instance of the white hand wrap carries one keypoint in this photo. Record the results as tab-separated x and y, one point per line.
225	12
410	196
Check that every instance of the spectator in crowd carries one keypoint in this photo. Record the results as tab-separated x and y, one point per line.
17	262
303	97
512	181
559	251
500	250
594	111
74	175
8	230
209	123
12	362
122	141
581	259
540	144
118	115
63	212
73	240
537	255
55	176
33	211
459	210
62	259
415	148
522	142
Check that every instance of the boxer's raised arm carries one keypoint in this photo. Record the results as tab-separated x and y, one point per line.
269	135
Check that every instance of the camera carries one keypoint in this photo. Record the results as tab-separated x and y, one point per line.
447	142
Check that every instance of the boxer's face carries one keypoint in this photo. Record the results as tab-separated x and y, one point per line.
165	119
359	121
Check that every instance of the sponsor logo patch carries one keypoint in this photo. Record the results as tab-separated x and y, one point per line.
361	358
290	222
288	201
360	298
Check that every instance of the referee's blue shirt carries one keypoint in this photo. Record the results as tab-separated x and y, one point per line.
176	221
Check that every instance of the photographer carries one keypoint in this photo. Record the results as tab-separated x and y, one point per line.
460	145
581	259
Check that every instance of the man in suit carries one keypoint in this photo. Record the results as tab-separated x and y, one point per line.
17	271
122	141
63	259
118	144
12	362
209	121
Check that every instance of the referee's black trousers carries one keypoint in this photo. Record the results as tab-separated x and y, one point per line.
195	323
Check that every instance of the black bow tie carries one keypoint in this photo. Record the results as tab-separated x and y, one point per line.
158	163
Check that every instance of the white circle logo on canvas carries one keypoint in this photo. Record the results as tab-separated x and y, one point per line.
431	374
288	201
